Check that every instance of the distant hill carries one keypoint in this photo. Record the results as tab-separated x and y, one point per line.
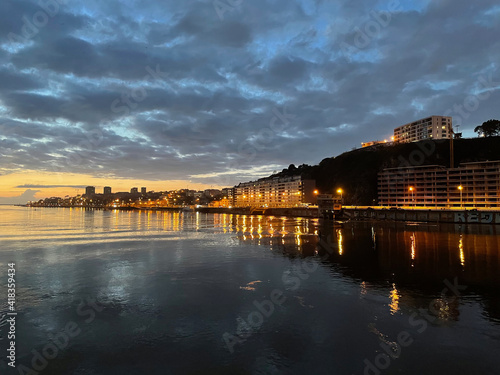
356	171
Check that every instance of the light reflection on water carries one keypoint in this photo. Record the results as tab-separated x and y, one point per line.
173	283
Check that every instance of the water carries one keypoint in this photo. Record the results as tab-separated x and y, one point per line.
187	293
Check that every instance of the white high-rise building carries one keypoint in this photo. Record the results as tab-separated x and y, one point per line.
434	127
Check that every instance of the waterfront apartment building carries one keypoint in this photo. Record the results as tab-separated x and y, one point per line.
107	190
275	192
470	185
229	194
434	127
90	190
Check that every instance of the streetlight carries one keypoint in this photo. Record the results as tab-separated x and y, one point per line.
340	191
411	188
316	192
461	188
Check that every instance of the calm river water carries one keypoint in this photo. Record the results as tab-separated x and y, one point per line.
120	292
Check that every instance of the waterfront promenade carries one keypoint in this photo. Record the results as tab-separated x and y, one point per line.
379	213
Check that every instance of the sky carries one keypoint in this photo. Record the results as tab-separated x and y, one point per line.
199	94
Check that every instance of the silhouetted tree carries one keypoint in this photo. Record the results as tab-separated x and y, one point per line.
489	128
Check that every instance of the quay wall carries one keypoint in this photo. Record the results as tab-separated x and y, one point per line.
469	216
423	215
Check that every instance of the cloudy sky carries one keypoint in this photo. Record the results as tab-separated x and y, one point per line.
170	94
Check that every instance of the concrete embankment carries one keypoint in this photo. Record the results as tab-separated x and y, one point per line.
470	216
424	215
376	213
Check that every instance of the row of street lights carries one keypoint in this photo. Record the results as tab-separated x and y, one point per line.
339	191
411	189
460	187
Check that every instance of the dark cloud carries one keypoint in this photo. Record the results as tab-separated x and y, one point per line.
13	81
174	90
285	70
25	21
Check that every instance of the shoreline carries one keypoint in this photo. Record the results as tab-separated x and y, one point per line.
376	213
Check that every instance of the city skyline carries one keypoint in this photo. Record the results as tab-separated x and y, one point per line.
191	94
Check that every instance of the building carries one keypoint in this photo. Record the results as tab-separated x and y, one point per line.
275	192
107	190
229	194
90	190
143	190
222	203
470	185
434	127
212	193
328	205
134	190
189	193
374	143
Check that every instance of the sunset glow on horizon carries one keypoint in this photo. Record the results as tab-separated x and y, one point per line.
39	185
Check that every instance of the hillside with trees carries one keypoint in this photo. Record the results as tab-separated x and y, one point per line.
356	171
